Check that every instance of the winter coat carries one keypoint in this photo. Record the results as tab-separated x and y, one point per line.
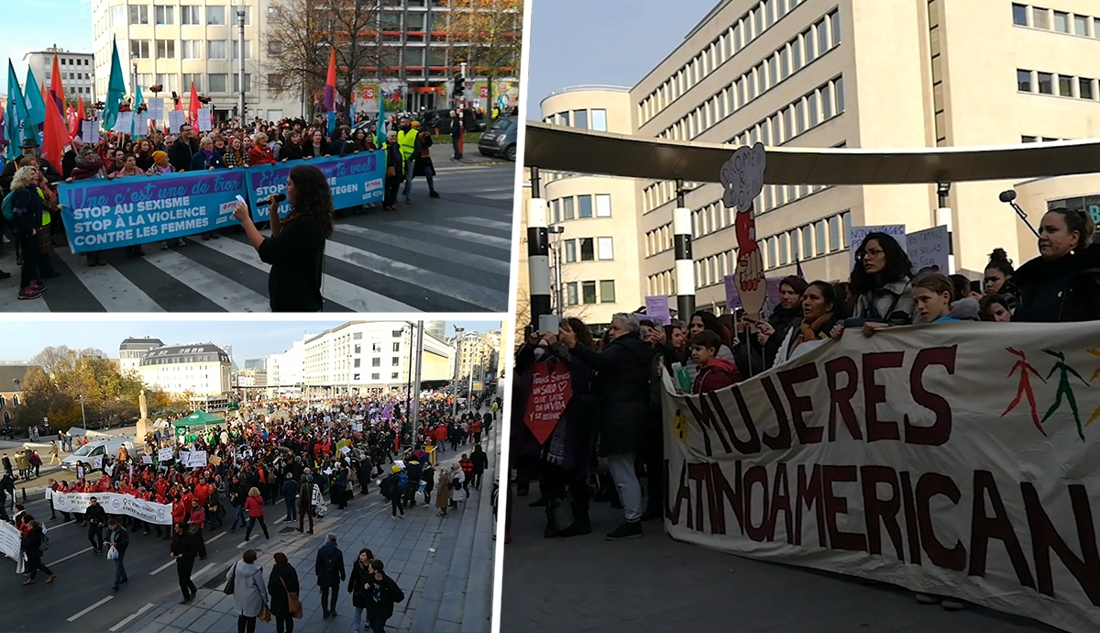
443	495
781	320
621	391
280	605
715	375
724	353
891	303
329	566
254	507
305	496
249	592
1062	291
382	595
199	161
357	581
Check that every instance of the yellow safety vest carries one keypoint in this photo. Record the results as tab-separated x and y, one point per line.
407	141
45	214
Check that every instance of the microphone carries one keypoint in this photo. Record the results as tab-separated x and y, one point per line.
276	197
1009	197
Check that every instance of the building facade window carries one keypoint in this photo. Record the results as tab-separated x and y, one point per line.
605	248
588	292
166	49
215	16
607	291
164	15
216	49
139	49
218	82
599	120
1023	80
139	14
1045	83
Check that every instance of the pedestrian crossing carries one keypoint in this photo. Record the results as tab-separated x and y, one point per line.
450	259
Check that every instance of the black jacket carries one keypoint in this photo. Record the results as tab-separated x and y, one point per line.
96	514
382	595
357	581
9	172
280	605
329	566
122	539
296	256
620	391
1063	291
185	545
181	153
480	460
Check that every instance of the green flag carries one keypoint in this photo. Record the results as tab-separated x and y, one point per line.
116	88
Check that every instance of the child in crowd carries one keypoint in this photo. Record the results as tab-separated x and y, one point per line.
714	373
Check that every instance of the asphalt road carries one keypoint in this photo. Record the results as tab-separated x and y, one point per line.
450	254
80	598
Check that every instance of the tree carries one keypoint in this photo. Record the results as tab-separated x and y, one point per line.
300	33
488	36
53	388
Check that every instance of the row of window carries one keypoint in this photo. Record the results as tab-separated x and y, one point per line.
377	362
65	61
593	119
70	76
212	82
4	402
801	115
815	239
1059	21
217	50
814	42
740	34
589	292
661	193
189	15
588	249
580	207
1055	84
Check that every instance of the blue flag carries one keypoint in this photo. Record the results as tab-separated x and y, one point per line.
17	123
136	130
331	122
36	107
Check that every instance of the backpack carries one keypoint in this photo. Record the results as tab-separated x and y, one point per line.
402	481
330	564
9	215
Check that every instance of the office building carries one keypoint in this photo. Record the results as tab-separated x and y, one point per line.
132	350
855	74
200	369
77	72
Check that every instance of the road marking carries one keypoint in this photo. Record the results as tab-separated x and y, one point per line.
203	570
242	544
85	611
62	560
131	617
63	524
218	536
162	567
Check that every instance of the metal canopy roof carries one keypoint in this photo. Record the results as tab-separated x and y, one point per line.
565	149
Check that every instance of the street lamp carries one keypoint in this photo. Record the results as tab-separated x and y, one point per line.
458	357
555	246
240	67
83	419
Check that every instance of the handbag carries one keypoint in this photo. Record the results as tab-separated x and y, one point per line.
229	580
265	614
294	604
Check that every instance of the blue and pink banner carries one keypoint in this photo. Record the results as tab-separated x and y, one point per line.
102	214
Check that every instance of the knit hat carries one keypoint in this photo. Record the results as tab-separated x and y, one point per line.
395	468
159	155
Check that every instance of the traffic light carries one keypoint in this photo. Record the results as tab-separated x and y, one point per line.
460	86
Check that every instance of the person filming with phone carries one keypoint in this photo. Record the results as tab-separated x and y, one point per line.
296	248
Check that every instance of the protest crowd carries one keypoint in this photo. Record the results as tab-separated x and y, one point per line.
28	183
610	430
281	451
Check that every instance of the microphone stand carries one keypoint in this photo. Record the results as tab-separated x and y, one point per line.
1023	216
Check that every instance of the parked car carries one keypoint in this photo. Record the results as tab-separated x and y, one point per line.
500	139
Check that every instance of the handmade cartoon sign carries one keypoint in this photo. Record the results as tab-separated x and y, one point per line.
742	180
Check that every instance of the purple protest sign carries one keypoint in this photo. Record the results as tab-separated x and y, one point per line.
733	295
656	308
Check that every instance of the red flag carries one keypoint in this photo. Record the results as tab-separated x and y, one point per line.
54	137
80	116
57	92
194	106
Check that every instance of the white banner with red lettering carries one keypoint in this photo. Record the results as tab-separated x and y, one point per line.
955	459
115	503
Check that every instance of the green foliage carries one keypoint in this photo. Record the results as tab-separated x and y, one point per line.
54	388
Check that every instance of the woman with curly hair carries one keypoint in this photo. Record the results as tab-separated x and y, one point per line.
296	248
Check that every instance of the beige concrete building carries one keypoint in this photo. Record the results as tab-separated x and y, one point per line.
594	256
201	369
857	74
77	72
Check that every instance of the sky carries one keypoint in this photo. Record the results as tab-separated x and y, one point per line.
611	42
35	25
250	339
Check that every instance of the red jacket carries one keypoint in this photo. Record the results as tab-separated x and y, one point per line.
260	155
716	375
179	512
254	506
467	465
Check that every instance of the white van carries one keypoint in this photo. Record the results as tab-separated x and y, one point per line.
99	448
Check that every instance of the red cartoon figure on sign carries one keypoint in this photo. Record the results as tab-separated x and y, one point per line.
742	180
1025	386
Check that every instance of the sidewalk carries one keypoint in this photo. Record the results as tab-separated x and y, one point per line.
443	565
585	583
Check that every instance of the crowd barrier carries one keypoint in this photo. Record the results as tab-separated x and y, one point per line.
951	459
100	214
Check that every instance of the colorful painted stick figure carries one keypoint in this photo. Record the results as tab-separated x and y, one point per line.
1095	375
1064	388
1025	386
